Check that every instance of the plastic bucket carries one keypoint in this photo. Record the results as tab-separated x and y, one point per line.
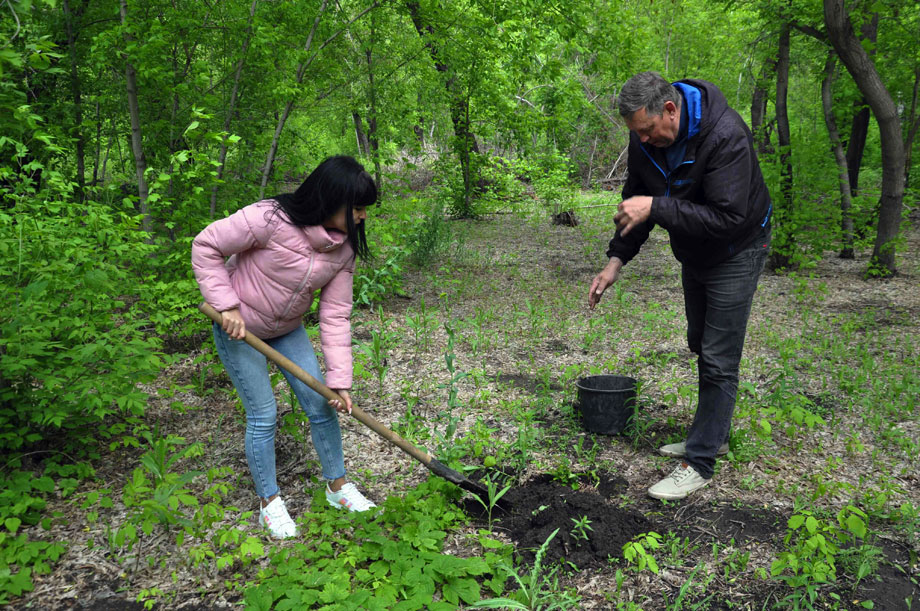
606	402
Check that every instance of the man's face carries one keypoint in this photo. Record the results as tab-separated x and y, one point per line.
656	130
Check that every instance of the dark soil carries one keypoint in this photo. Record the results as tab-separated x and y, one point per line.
542	505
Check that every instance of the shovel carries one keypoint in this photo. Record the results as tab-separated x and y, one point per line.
433	465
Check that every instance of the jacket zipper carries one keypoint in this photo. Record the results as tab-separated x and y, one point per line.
667	175
300	288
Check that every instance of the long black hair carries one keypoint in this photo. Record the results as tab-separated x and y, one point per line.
338	181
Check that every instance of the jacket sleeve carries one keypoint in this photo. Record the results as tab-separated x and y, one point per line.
335	303
726	186
241	231
627	247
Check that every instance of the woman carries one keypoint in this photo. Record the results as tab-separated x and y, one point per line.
282	250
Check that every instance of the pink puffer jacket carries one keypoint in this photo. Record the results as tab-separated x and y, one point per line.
273	270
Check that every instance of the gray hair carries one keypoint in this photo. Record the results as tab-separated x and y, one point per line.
648	90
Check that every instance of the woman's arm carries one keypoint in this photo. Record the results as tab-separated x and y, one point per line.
245	229
335	304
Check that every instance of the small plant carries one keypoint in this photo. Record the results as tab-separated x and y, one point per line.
449	415
536	591
635	552
494	495
377	356
581	528
814	549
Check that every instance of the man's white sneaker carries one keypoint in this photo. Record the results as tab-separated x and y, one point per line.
679	450
276	519
348	497
683	480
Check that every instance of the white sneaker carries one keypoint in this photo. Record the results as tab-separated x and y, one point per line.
683	480
348	497
679	450
276	519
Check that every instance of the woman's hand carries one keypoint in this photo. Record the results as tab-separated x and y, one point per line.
338	406
232	323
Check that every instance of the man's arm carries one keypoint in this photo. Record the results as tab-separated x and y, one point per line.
726	188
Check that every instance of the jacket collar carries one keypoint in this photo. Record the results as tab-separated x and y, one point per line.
322	240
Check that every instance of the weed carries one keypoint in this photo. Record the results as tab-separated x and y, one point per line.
636	551
536	591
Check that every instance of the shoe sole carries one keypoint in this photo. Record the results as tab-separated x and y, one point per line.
677	496
670	454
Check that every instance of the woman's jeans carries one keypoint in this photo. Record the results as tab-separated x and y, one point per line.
248	370
718	304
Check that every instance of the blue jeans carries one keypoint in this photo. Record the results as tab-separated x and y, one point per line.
248	370
718	304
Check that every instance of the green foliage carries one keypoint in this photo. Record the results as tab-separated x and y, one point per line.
637	552
538	589
391	560
814	548
72	347
22	499
155	493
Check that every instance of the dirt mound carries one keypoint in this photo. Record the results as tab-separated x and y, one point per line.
542	505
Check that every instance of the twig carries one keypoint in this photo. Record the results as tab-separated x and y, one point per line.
16	17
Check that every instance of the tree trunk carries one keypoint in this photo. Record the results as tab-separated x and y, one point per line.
856	145
861	68
782	117
785	247
77	100
137	145
364	147
913	122
231	108
464	139
846	200
372	137
760	126
859	130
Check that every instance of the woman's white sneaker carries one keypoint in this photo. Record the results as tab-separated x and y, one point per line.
348	497
276	519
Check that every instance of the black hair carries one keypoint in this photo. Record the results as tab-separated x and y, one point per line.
337	181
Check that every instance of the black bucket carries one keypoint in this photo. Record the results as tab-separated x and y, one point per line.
607	402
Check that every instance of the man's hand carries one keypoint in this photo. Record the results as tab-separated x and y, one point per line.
338	405
232	323
631	212
608	276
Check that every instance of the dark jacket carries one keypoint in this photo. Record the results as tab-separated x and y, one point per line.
714	203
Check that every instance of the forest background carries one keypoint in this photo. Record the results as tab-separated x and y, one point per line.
127	126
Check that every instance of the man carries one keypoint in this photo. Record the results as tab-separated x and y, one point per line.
692	169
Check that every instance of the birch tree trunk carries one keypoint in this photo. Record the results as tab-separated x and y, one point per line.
137	146
846	199
861	68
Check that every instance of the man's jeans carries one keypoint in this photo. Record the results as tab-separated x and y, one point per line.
718	304
249	372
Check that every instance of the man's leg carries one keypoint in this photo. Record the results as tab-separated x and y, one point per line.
729	289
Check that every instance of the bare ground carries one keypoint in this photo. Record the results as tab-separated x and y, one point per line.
526	282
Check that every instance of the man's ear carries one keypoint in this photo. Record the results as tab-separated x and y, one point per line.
670	106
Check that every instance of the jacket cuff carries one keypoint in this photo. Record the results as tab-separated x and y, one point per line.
338	366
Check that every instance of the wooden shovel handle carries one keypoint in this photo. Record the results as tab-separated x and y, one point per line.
360	415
